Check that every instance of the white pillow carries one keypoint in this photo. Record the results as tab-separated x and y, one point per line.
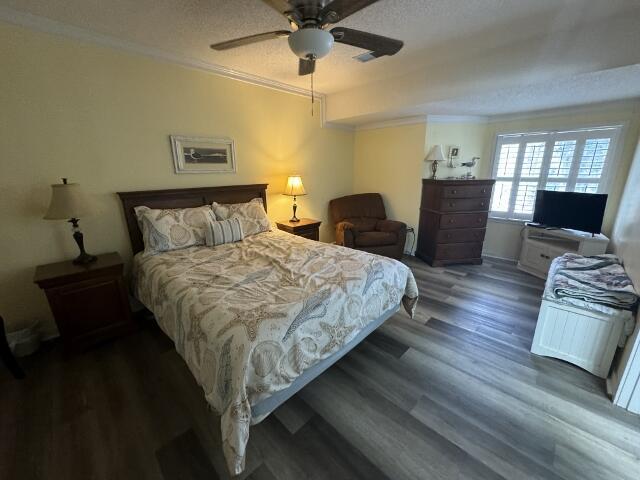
171	229
219	232
251	214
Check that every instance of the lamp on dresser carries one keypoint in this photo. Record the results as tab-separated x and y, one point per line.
435	155
68	202
294	189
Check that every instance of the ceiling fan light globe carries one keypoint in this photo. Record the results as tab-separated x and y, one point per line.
310	41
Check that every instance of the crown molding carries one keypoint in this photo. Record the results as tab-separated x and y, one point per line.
47	25
457	119
395	122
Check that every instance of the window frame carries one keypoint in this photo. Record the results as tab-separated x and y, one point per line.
580	134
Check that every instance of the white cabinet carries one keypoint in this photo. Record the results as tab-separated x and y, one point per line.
585	338
540	246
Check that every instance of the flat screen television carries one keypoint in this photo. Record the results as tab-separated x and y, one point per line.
577	211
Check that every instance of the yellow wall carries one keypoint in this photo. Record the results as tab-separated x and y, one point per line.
390	161
470	137
103	118
503	238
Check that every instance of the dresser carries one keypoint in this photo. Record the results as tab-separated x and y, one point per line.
453	220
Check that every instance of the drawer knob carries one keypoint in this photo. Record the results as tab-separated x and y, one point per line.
484	190
451	220
482	204
451	204
479	219
448	235
454	191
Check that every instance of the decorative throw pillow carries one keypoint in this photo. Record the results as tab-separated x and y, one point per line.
223	231
251	214
171	229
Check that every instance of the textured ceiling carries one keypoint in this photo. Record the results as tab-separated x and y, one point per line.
429	28
435	32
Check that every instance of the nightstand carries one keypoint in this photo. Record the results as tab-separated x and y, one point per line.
89	302
306	227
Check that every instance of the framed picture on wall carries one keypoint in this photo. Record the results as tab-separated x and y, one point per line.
203	155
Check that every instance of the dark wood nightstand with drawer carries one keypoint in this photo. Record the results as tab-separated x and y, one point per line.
453	218
306	227
89	302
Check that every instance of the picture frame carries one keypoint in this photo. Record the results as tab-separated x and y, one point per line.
203	154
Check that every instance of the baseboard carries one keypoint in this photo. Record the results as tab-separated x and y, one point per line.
511	260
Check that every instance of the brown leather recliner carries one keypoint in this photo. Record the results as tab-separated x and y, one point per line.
361	223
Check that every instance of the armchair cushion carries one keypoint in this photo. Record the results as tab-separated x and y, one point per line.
363	224
375	239
390	226
363	205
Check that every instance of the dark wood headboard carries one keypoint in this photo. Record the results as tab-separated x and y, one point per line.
183	198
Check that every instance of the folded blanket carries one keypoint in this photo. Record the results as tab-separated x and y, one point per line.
597	279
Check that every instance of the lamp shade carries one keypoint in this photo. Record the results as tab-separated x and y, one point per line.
67	201
294	186
435	153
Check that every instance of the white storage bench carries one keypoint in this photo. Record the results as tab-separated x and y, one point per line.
580	332
586	338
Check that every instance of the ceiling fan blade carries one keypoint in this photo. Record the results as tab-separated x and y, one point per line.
306	67
377	44
340	9
259	37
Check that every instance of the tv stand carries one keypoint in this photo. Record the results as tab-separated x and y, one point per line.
541	245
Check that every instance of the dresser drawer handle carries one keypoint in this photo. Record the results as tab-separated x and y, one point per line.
451	204
448	235
482	204
479	220
454	191
451	220
484	190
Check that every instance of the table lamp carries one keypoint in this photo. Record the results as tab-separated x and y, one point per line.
293	189
435	155
68	202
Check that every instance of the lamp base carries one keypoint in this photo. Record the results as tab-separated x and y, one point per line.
84	258
294	219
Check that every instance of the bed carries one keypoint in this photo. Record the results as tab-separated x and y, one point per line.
257	320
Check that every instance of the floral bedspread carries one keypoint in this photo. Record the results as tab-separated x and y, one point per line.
250	317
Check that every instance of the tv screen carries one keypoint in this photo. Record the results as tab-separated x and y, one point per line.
578	211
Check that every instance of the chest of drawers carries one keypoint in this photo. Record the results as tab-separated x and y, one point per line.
453	218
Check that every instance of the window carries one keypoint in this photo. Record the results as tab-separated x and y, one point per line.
567	161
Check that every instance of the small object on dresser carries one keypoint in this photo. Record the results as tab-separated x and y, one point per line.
435	155
305	227
293	189
68	202
89	302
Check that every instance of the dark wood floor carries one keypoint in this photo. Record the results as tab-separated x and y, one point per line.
453	394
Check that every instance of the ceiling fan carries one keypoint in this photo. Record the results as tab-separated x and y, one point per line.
310	39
